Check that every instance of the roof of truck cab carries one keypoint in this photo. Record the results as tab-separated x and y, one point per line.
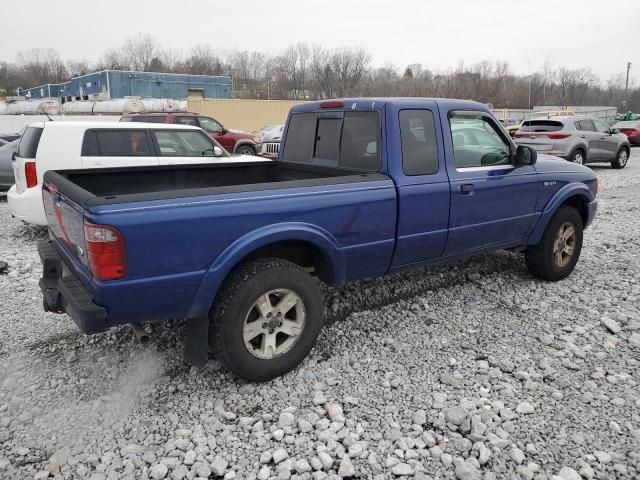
378	103
84	125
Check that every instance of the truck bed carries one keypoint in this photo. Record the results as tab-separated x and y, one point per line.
105	186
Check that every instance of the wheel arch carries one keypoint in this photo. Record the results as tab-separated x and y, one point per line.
305	245
242	143
576	195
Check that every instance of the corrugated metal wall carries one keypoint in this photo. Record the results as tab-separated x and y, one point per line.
247	115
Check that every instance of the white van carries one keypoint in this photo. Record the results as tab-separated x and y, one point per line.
73	145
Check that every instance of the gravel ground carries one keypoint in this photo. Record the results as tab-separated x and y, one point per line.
470	371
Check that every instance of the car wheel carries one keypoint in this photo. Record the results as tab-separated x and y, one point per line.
555	257
245	150
621	159
577	157
266	319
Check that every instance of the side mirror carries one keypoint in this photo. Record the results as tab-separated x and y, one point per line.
614	131
13	156
217	151
525	155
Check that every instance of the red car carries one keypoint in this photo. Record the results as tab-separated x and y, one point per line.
631	128
233	141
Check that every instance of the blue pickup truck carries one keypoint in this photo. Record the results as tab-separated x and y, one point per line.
361	188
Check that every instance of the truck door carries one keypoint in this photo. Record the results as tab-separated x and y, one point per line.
102	148
492	200
421	181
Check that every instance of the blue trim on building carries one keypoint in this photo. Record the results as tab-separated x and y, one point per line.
109	84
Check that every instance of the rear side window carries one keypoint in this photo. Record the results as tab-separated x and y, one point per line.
350	140
541	126
300	137
29	142
360	144
419	151
116	143
144	119
174	143
186	121
328	139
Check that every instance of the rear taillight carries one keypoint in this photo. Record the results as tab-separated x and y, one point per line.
30	174
558	136
629	132
105	251
518	135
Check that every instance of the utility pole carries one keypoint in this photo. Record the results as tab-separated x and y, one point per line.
626	87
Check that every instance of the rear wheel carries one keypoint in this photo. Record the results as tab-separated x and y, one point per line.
621	159
245	150
266	319
578	157
555	257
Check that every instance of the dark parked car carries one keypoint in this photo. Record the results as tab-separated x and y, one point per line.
6	168
233	141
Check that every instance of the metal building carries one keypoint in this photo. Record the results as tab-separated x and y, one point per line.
111	84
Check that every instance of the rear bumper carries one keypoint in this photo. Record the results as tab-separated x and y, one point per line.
65	293
27	206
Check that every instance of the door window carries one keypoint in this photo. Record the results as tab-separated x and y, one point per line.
476	141
173	143
587	126
210	125
418	136
602	127
116	143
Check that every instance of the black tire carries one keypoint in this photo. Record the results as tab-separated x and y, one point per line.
622	158
236	299
576	155
540	258
245	150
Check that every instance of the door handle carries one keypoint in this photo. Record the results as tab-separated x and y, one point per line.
602	138
466	189
583	136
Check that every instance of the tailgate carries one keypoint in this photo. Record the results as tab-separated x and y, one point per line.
66	224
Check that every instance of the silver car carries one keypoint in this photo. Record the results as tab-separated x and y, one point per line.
579	139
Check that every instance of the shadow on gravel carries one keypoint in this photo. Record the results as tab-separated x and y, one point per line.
30	232
390	289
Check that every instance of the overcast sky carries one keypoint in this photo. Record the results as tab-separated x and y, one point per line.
600	34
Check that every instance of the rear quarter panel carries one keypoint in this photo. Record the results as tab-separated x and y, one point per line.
179	251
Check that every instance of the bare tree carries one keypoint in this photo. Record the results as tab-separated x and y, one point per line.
140	51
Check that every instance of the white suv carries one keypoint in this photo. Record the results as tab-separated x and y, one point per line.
73	145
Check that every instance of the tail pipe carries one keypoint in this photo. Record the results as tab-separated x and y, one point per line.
140	333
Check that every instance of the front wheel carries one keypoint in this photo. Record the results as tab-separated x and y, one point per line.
621	159
266	318
245	150
555	257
